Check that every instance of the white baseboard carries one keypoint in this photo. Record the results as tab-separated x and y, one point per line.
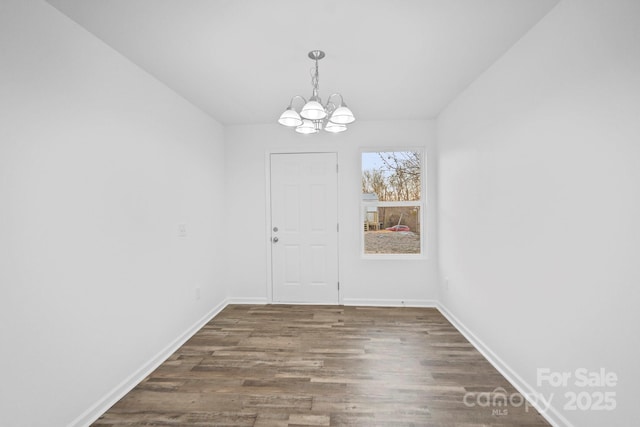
243	300
101	406
391	302
550	413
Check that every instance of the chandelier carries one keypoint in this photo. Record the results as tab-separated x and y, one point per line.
314	116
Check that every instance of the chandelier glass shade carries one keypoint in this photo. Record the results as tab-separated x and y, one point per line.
313	116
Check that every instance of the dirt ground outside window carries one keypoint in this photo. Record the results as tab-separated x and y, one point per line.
391	242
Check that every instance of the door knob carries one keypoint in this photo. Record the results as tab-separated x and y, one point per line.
275	239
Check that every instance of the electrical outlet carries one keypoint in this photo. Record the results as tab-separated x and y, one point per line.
446	283
182	230
197	293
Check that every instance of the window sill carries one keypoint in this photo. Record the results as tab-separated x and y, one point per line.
396	257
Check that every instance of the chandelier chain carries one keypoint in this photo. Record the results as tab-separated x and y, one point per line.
315	79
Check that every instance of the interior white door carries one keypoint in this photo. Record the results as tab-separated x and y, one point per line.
304	227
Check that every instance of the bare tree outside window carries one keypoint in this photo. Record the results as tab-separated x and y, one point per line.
396	177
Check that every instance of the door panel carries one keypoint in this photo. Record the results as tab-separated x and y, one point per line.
304	211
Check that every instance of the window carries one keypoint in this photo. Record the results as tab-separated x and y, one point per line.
392	203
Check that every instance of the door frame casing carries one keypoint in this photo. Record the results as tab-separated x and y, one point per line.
269	272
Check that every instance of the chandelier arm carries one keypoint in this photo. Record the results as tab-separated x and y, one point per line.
330	106
336	94
304	101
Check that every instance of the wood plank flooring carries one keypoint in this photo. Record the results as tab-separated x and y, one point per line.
288	365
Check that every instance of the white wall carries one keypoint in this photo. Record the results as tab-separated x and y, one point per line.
362	281
99	163
539	201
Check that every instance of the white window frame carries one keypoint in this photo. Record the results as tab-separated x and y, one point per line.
421	204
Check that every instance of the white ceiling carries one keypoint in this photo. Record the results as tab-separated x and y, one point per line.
242	60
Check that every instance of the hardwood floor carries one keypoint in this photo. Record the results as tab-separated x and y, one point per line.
287	365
